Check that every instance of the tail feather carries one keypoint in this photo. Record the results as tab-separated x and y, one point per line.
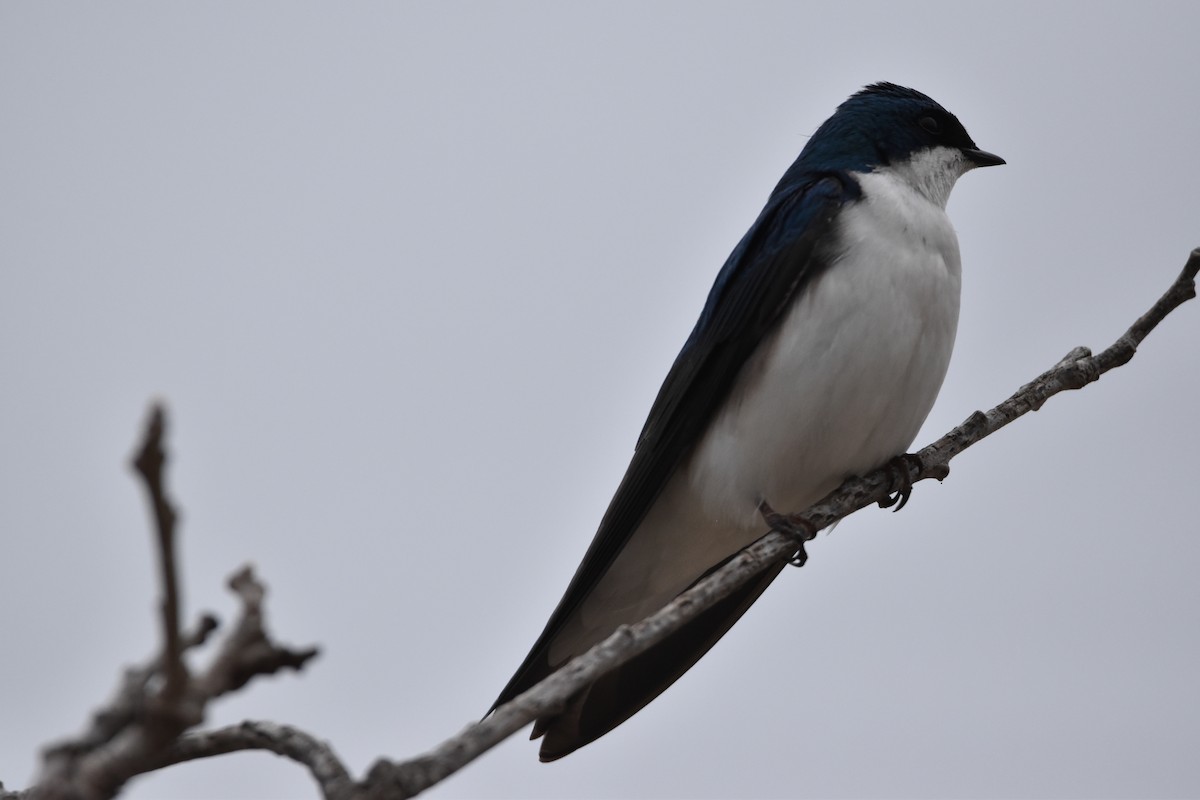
620	694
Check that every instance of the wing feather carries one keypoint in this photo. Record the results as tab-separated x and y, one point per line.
780	253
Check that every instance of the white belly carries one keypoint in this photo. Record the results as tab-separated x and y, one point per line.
848	378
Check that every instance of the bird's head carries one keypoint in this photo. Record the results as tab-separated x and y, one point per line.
885	126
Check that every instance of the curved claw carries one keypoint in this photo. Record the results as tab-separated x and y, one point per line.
901	468
896	501
792	525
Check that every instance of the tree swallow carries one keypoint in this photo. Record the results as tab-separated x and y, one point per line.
818	355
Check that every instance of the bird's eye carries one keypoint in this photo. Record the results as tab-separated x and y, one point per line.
930	124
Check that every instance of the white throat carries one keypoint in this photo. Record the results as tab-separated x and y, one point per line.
932	172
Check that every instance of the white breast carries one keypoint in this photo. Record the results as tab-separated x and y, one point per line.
842	385
848	378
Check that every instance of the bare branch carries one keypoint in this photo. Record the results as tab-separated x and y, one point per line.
142	728
127	701
248	651
388	779
1077	369
155	703
149	464
284	740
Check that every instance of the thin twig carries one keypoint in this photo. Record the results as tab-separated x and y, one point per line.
248	651
1077	369
149	464
284	740
156	703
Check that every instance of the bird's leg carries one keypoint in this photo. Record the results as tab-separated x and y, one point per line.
901	468
792	525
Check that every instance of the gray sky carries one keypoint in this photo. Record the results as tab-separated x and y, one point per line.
409	276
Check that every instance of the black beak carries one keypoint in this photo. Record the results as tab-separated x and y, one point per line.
982	158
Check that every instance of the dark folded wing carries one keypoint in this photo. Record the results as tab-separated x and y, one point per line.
780	253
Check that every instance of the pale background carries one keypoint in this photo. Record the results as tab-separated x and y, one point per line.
409	275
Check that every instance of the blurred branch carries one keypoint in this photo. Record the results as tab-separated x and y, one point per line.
144	726
149	464
284	740
155	703
248	650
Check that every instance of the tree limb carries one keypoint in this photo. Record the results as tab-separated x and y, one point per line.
143	729
284	740
1077	369
149	464
155	703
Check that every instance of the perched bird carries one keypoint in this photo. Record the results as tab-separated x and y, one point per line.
818	355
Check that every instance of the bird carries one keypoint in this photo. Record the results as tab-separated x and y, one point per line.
819	352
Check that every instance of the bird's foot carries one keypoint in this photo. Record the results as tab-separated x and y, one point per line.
792	525
901	468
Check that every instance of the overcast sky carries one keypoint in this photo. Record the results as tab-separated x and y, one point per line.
408	277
